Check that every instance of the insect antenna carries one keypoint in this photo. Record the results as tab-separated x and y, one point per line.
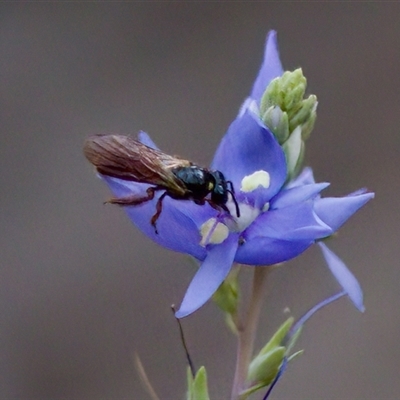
232	192
235	201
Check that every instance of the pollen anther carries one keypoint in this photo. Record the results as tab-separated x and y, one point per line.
213	232
255	180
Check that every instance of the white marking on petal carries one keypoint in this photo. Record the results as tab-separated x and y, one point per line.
255	180
213	232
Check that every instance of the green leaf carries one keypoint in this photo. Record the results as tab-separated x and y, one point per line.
190	379
197	387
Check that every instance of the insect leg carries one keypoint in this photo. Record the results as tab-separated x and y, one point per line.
217	206
134	200
155	217
223	206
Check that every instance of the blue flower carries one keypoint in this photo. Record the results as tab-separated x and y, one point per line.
279	220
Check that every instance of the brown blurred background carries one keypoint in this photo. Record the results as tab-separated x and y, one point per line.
81	290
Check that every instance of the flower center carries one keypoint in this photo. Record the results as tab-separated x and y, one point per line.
248	214
216	230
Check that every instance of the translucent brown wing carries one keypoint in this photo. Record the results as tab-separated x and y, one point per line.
126	158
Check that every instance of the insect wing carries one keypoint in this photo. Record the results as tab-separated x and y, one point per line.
126	158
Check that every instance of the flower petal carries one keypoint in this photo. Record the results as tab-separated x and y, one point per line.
269	251
346	279
247	147
297	194
294	223
306	177
335	211
144	138
176	230
270	68
209	277
302	320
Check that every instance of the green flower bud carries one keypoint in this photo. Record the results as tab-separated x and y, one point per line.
307	109
272	96
265	366
266	363
289	116
294	90
299	165
308	125
278	122
293	149
286	91
278	337
197	386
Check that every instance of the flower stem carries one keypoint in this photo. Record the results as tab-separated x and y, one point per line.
247	332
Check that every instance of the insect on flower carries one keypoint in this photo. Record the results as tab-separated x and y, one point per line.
128	159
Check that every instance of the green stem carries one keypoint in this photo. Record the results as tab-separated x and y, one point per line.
247	332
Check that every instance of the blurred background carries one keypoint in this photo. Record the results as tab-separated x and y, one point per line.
81	290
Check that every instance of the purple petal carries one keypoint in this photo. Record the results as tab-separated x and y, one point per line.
335	211
269	251
297	195
343	275
294	223
247	147
302	320
209	277
270	68
358	192
176	230
306	177
145	139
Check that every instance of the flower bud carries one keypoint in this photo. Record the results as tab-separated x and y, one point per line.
294	152
266	363
289	116
197	386
264	367
278	122
307	111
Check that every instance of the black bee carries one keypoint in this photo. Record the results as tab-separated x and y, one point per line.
126	158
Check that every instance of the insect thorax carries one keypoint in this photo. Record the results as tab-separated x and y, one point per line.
197	180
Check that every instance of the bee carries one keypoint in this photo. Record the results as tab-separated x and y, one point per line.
128	159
